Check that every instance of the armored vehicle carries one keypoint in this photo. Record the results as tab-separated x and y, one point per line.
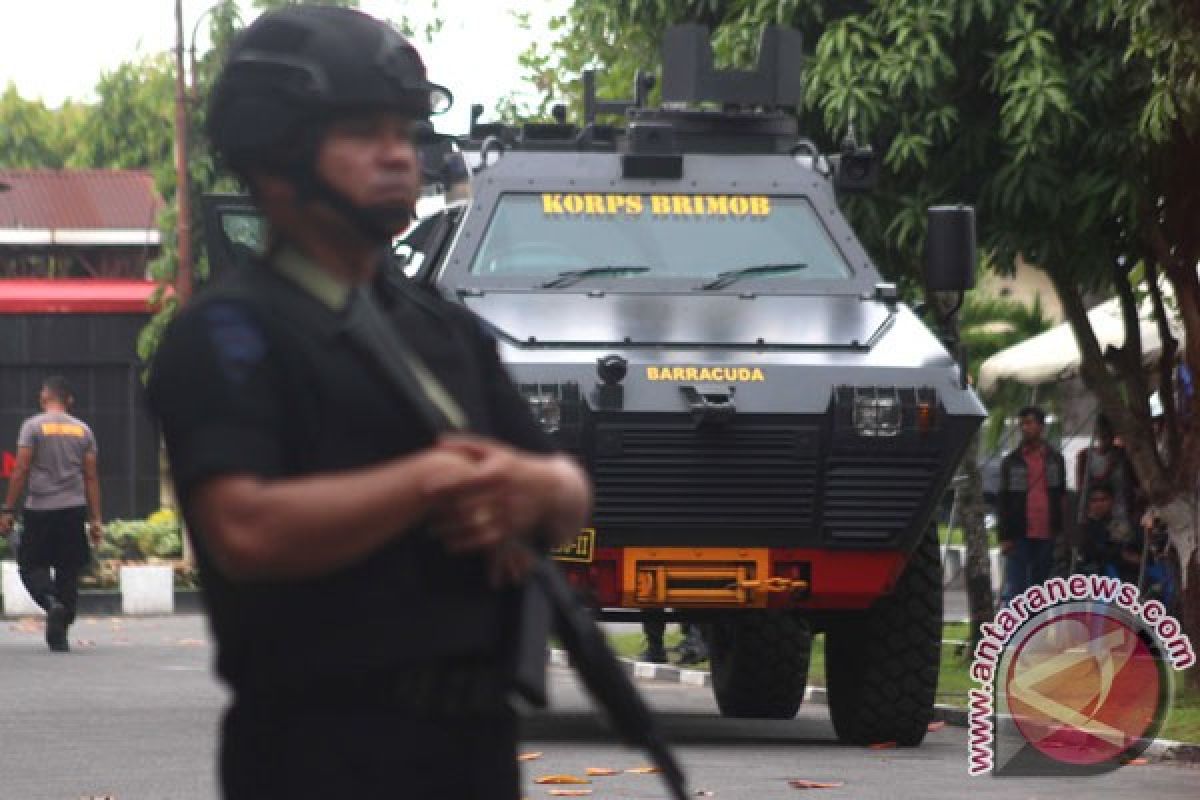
769	429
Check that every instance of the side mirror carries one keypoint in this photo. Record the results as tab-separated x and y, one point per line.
950	249
856	170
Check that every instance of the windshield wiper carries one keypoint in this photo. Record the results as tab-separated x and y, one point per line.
574	276
723	279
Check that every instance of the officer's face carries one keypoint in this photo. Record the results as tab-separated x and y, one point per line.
371	160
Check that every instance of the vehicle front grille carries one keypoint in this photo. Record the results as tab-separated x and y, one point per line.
674	475
870	498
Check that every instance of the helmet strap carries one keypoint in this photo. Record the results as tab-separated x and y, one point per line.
312	187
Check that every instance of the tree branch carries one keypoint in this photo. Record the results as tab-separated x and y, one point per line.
1166	369
1185	281
1140	445
1131	363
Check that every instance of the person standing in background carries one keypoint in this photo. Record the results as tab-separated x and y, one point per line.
57	457
1032	499
1104	462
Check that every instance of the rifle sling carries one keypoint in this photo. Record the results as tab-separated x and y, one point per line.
368	329
547	600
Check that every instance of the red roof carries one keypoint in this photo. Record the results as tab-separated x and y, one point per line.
74	295
78	199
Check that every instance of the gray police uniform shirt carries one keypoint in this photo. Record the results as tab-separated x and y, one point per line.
59	443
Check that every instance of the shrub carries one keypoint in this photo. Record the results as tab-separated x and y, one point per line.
158	536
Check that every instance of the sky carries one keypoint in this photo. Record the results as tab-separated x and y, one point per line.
57	49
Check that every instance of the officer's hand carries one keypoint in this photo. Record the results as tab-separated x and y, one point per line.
6	523
505	497
96	532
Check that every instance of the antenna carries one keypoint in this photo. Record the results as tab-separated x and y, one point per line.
642	84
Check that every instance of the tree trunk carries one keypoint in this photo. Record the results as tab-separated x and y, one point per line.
1191	614
1182	517
980	602
1175	495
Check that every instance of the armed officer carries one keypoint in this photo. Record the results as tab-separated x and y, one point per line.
360	571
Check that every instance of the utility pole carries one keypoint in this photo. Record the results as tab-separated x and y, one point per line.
183	205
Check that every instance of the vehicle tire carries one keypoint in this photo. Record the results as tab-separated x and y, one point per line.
759	662
881	668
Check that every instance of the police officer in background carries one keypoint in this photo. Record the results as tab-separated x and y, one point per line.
57	463
359	569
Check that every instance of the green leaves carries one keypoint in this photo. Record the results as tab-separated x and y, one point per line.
130	126
1049	116
30	134
906	148
158	536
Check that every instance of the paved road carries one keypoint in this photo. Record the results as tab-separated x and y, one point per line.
132	713
954	605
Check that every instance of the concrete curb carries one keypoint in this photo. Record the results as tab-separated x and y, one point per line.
643	671
109	603
144	589
1159	749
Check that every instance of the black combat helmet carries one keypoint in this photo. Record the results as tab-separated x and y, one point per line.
304	64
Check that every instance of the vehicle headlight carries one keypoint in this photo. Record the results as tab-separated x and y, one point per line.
547	410
877	416
556	407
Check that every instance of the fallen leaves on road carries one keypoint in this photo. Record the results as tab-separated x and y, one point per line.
644	770
529	756
599	771
801	783
570	792
190	642
937	725
561	779
85	643
28	625
883	746
705	793
1137	762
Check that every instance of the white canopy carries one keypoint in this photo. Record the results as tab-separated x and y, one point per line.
1053	355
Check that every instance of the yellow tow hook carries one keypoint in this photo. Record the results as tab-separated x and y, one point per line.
771	585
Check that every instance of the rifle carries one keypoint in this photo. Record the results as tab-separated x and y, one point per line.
548	601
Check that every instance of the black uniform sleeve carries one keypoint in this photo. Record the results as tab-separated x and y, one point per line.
215	389
1004	531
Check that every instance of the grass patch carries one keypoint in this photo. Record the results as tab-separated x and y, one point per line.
631	645
1183	720
956	536
954	680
